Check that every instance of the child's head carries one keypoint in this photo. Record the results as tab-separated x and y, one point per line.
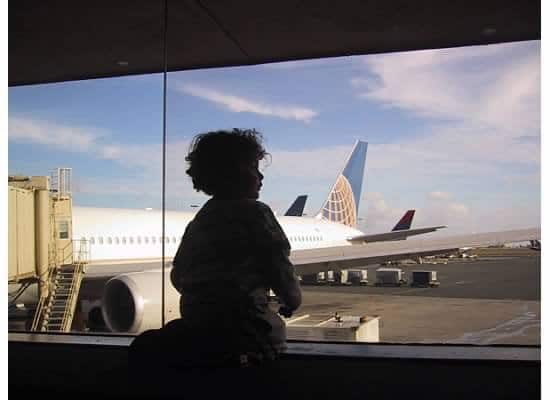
224	164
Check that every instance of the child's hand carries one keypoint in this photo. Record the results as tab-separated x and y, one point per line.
285	311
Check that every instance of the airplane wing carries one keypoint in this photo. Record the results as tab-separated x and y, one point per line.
335	258
393	235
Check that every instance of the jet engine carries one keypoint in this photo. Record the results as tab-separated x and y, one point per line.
131	302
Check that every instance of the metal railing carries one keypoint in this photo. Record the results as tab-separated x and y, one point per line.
72	298
75	254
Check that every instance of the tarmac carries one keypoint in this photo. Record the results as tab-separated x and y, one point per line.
493	300
489	300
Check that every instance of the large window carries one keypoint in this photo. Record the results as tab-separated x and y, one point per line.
453	134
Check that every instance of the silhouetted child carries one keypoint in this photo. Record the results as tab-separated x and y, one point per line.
231	254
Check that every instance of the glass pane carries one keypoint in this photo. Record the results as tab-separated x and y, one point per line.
453	134
91	151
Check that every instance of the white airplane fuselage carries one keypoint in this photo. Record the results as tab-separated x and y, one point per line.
119	234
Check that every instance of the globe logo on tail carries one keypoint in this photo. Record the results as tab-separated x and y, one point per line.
340	206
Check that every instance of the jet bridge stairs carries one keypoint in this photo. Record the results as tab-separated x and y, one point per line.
55	311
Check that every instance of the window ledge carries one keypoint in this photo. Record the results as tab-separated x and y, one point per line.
295	348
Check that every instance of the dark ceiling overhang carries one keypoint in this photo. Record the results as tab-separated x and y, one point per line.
62	40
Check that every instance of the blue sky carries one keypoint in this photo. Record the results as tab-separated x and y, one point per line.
454	133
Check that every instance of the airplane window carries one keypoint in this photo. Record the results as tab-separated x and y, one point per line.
131	239
139	239
92	240
173	239
153	239
145	239
109	240
116	240
123	239
100	240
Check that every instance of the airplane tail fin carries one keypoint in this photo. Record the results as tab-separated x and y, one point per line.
342	204
297	208
405	221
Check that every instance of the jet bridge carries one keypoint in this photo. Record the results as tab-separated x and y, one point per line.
41	248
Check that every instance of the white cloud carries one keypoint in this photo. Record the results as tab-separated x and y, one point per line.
380	215
64	137
483	105
114	186
241	104
491	85
440	209
459	209
483	101
439	195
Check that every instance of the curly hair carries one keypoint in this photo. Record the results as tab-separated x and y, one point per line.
215	159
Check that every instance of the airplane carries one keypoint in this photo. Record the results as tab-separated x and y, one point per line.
124	248
297	208
128	236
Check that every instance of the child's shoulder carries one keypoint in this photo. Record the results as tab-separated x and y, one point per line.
255	212
252	205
